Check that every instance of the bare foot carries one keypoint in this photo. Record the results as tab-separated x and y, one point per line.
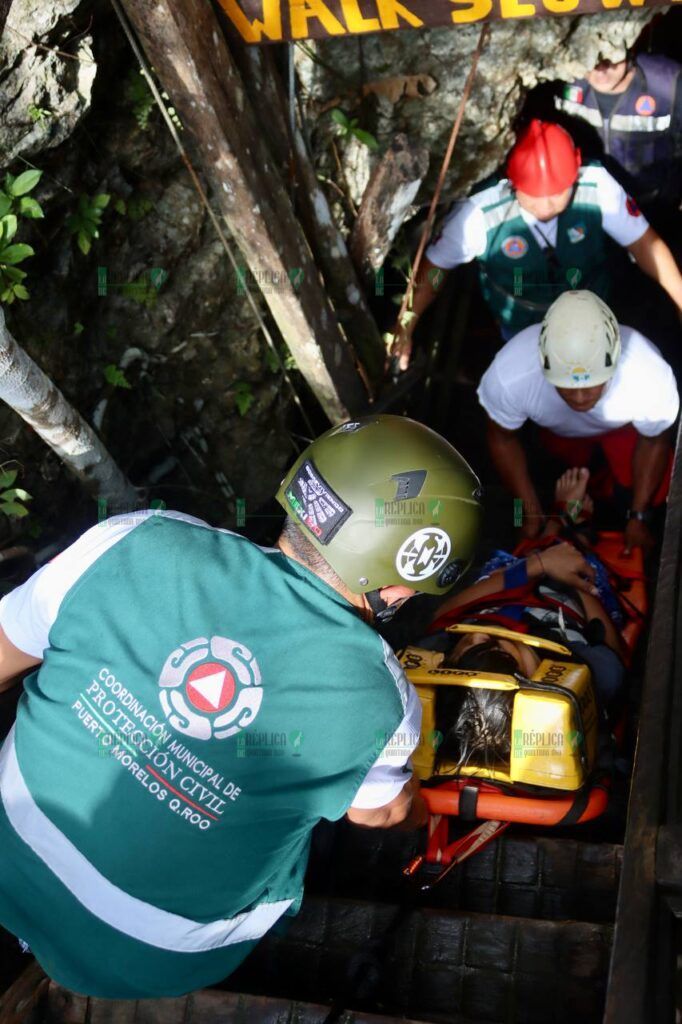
570	494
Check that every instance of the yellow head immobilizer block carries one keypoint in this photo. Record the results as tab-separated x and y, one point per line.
554	718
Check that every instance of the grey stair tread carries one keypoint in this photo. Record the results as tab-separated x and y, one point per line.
207	1006
442	964
526	876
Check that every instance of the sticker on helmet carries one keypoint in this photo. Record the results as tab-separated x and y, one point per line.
645	105
316	505
580	374
515	247
424	553
577	233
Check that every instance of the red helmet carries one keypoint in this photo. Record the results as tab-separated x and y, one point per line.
544	161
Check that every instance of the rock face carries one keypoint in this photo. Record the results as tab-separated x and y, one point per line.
155	304
43	94
518	55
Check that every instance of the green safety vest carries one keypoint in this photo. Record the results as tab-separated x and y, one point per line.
519	280
202	704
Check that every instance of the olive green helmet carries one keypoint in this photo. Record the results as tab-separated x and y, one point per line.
386	500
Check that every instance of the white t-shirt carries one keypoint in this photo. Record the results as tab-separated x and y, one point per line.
642	391
464	237
28	612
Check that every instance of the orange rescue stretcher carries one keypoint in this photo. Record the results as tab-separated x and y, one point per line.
559	783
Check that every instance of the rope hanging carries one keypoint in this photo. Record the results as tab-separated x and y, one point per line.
428	225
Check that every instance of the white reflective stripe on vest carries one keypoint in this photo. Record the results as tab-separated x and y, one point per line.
638	123
588	114
106	901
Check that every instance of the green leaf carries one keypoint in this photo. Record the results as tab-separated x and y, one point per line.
21	291
13	509
243	397
78	328
101	200
366	138
16	253
116	377
7	478
5	204
9	227
12	273
120	206
84	243
30	208
15	493
340	118
25	182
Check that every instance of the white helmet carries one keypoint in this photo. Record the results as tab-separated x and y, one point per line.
579	341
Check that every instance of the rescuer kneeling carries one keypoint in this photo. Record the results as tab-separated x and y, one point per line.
589	384
200	703
539	232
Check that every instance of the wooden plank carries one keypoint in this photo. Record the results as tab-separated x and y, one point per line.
271	21
184	42
22	996
206	1006
326	241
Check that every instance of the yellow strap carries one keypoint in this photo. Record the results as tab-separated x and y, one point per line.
509	634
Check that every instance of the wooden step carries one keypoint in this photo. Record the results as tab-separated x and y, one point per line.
439	964
208	1006
522	875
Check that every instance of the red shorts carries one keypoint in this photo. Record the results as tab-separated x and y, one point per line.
618	447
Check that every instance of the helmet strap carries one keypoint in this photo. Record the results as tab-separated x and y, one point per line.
382	611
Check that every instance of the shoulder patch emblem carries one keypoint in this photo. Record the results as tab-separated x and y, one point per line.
645	105
573	93
515	247
577	233
632	207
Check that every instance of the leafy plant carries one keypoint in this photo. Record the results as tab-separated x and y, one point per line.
243	396
38	114
11	497
15	203
349	127
138	94
140	97
114	375
85	222
135	207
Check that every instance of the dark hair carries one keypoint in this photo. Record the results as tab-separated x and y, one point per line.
476	722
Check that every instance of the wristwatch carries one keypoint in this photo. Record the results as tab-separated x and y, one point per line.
643	517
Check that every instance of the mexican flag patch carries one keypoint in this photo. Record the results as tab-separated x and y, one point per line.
574	93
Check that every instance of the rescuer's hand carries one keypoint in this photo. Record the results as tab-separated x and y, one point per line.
418	814
637	535
401	341
565	565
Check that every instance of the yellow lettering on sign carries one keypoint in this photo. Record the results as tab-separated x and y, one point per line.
516	9
474	10
253	31
391	10
355	20
560	6
301	10
610	4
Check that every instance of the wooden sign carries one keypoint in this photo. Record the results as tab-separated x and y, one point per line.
274	21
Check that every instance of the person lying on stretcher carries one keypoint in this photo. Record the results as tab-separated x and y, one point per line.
555	593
